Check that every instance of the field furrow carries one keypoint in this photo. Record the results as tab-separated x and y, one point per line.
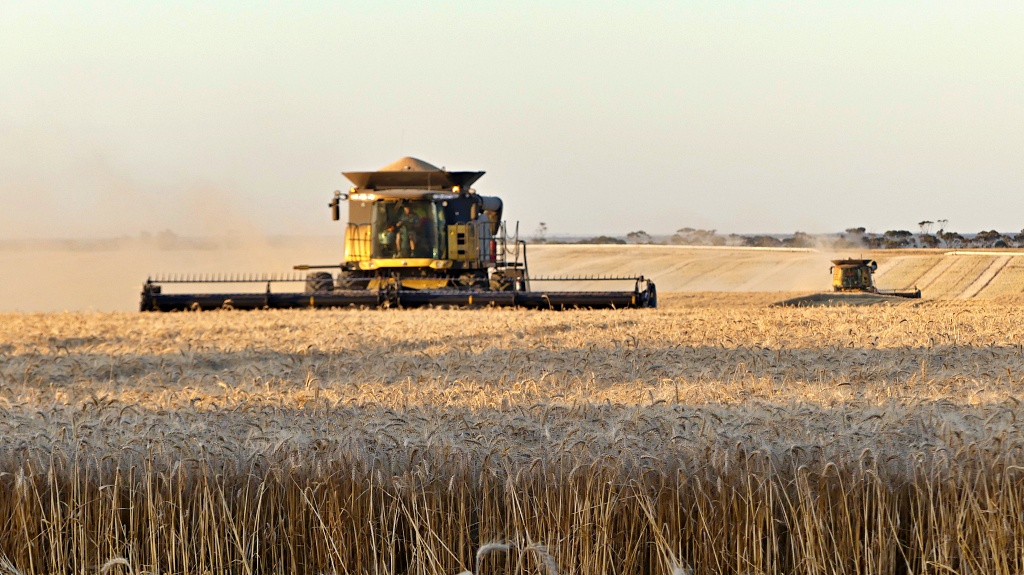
994	268
1009	280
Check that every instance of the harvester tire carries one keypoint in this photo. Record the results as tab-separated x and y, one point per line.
319	282
346	281
471	280
500	282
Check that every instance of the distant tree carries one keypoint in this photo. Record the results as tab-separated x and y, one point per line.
894	239
680	236
683	236
542	233
876	242
854	237
987	239
953	239
762	241
735	240
1018	239
926	226
898	234
696	237
638	237
800	240
603	240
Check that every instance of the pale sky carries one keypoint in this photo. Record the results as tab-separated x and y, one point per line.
594	117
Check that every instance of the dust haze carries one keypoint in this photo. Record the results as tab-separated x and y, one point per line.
107	274
80	233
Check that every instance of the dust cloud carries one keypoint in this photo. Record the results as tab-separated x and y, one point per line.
79	231
108	274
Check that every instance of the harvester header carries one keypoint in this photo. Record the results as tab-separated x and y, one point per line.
416	235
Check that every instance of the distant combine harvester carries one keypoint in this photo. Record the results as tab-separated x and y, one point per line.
855	276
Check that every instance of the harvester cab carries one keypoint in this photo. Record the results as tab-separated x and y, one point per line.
856	276
415	235
426	228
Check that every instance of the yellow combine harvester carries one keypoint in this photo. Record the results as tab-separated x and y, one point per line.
416	235
855	275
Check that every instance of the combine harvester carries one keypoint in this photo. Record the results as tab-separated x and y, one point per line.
852	284
855	276
417	235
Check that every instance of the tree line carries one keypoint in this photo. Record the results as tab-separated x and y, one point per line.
855	237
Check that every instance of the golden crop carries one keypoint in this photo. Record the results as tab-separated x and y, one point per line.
714	435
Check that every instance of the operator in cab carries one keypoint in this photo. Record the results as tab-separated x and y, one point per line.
405	229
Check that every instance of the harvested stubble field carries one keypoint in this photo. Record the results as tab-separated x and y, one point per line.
714	435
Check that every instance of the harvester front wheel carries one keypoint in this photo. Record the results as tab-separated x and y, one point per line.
471	280
500	282
318	282
346	281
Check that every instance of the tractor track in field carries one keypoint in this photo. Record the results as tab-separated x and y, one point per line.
934	273
985	278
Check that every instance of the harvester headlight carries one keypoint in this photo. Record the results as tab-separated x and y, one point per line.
363	197
456	189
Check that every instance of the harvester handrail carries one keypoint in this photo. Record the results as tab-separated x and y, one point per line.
224	278
587	278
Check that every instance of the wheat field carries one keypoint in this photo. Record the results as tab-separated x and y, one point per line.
716	434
